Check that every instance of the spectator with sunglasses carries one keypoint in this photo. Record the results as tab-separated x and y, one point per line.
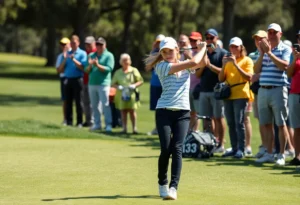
272	64
208	105
100	66
64	45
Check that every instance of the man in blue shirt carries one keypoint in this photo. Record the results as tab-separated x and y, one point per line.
72	66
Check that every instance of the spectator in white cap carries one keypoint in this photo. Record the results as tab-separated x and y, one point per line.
155	86
172	109
293	71
273	93
236	71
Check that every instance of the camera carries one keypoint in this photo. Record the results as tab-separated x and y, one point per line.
228	54
297	47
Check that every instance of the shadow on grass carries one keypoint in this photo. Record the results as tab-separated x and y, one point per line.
10	100
221	161
30	76
105	197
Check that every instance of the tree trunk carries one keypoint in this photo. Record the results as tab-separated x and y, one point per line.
127	23
50	41
51	34
80	20
228	20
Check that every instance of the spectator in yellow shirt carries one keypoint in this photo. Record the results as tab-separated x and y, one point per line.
237	69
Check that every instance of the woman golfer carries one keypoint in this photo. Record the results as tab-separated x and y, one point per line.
173	109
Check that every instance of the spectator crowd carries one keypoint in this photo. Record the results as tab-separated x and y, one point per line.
265	82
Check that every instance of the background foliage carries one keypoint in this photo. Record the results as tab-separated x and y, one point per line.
34	27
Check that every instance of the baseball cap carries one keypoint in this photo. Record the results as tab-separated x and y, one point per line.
101	40
195	36
168	42
260	33
89	40
212	32
275	27
160	37
298	33
236	41
64	40
288	43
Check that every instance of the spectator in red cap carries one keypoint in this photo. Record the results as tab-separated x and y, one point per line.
195	39
90	47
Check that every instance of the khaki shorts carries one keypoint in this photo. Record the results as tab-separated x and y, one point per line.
294	114
272	103
209	106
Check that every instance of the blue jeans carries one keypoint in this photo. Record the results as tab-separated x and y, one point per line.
235	113
99	94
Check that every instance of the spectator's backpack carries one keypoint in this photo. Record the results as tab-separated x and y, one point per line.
199	145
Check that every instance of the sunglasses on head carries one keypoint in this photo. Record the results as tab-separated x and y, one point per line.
209	38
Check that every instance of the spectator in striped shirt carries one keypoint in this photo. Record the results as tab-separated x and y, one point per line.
272	63
172	109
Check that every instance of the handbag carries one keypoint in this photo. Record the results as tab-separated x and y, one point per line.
254	87
223	91
136	92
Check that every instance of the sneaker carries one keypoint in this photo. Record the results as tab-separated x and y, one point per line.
266	158
280	160
87	124
219	149
64	123
289	153
295	162
229	153
79	125
248	152
163	190
108	128
95	127
172	194
261	152
228	149
239	154
153	132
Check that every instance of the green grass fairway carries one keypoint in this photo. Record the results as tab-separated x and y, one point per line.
50	171
44	163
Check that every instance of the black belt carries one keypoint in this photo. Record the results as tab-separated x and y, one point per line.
268	86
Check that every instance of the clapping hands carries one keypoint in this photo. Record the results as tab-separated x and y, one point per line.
264	46
93	61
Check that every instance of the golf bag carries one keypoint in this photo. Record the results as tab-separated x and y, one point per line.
199	145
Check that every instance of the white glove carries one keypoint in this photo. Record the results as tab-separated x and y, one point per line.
120	87
132	86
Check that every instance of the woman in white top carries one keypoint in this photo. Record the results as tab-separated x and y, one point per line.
173	109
